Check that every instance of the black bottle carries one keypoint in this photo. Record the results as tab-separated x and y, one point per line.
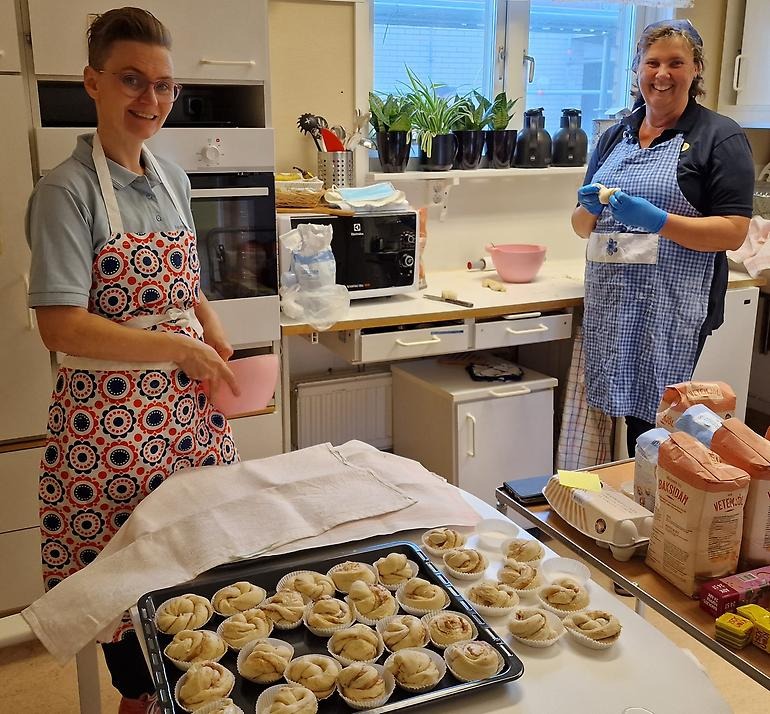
533	144
570	143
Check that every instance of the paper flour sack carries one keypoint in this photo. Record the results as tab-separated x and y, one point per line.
677	398
696	530
646	466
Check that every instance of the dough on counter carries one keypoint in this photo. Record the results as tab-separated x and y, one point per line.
531	623
466	560
195	646
599	625
243	627
413	669
361	682
565	594
327	613
266	662
346	573
359	643
443	539
394	569
203	683
237	597
519	576
184	612
446	628
421	595
285	608
404	631
493	594
293	699
309	584
372	601
523	550
317	672
473	660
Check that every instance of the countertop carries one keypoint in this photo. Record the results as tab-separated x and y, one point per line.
558	285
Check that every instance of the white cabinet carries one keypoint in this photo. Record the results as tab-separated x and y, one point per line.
25	386
9	38
474	434
259	436
224	40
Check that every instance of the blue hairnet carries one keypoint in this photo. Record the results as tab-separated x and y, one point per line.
683	26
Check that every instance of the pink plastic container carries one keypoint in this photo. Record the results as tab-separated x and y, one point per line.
517	262
257	378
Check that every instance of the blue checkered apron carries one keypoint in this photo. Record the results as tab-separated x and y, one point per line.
646	297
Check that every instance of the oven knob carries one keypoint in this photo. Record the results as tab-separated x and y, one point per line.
211	154
406	260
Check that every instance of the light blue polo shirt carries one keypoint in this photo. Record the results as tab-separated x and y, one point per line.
66	222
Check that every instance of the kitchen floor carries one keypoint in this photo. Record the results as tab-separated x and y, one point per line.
34	684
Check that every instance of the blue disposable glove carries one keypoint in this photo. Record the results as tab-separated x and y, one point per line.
637	212
588	198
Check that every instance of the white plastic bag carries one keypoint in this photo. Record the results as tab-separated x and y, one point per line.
308	289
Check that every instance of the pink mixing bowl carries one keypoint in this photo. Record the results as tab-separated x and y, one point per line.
257	378
517	262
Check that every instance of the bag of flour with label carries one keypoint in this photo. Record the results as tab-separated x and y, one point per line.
677	398
646	466
696	530
738	445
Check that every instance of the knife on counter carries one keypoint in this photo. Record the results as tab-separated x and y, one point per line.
446	298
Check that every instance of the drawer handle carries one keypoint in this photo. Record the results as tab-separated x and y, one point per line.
737	72
432	341
540	328
511	392
30	310
229	63
471	450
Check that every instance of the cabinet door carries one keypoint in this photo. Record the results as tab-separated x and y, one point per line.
504	438
25	367
257	437
755	55
219	40
19	477
9	38
21	572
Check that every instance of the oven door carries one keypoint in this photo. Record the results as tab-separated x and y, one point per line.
235	228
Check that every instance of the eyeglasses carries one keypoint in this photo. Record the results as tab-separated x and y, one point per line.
135	85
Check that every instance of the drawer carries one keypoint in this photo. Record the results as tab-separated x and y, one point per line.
258	436
19	478
359	347
522	331
20	569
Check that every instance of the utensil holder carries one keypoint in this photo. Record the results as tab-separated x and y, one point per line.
335	168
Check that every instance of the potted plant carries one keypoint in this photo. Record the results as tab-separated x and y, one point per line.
392	123
475	115
501	141
433	117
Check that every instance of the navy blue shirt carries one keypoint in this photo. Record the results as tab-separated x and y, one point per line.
715	174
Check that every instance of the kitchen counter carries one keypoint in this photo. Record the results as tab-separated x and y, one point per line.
559	285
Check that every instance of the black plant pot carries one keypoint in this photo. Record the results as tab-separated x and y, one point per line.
500	147
442	154
470	146
393	150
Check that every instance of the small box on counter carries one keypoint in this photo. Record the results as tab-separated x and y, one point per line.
726	594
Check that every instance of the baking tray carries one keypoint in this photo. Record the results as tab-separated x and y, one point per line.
266	572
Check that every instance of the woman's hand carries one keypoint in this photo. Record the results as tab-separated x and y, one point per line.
202	362
637	212
588	198
214	335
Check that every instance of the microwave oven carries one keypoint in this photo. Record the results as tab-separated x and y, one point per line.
377	254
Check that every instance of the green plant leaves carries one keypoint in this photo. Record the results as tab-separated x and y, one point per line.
502	111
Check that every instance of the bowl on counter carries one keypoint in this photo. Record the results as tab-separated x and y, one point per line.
517	262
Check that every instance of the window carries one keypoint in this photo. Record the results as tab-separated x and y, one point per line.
582	50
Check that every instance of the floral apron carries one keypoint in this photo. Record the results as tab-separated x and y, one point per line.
116	430
646	297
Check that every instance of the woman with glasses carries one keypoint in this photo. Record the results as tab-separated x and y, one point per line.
115	285
656	271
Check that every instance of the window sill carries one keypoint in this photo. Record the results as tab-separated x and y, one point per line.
477	174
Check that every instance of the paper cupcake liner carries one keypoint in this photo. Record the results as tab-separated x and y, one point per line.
235	612
184	665
553	620
417	611
586	641
426	621
447	654
181	680
371	621
246	650
327	631
531	589
493	532
346	660
257	635
196	598
322	695
390	685
283	582
489	611
393	587
382	624
217	705
558	611
458	575
438	660
535	562
439	552
335	568
267	697
555	568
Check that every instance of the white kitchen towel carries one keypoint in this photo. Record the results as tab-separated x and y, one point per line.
755	251
205	517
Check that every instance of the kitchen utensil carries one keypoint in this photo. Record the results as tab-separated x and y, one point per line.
340	132
256	377
331	140
517	262
533	143
454	301
308	124
322	123
570	143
